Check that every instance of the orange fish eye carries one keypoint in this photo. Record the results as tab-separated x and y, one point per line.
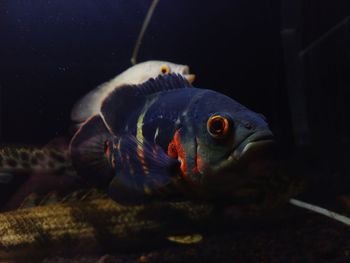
218	126
165	70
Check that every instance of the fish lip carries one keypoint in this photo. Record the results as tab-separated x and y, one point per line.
259	140
260	143
231	170
185	71
252	144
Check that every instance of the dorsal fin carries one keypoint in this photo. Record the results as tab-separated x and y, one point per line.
121	102
162	83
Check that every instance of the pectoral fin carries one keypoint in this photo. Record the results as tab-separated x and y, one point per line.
87	150
142	170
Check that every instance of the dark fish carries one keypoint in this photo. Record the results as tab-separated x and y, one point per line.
27	170
27	160
167	138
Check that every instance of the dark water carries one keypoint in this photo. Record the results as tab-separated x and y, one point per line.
289	60
52	52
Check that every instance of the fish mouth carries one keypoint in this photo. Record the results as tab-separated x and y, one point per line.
255	142
254	146
233	172
186	73
190	77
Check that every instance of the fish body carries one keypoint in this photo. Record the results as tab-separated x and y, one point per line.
90	104
27	170
27	160
95	225
166	136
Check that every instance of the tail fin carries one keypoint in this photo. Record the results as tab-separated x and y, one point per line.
87	150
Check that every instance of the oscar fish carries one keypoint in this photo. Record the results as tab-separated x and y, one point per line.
166	138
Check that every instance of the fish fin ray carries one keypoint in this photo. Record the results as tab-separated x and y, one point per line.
162	83
145	170
50	198
87	150
30	201
128	98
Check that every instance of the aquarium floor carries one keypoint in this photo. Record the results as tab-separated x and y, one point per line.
292	235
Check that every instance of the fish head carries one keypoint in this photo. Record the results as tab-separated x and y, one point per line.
143	71
224	138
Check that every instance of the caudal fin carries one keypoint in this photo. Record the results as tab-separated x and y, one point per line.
87	150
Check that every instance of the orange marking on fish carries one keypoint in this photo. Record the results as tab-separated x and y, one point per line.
176	150
172	151
141	156
109	155
117	146
197	168
106	149
114	162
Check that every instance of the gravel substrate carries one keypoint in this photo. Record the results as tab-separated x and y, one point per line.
291	235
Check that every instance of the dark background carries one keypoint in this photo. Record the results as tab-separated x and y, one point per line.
287	59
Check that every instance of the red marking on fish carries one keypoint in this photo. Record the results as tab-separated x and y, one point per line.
176	150
107	150
141	158
197	168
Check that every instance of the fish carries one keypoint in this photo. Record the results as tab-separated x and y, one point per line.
90	104
98	225
167	139
27	170
27	160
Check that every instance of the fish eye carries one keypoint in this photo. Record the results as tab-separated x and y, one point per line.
218	126
165	69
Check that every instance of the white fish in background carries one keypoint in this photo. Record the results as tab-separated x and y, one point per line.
90	104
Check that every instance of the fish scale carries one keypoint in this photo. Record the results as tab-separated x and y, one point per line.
25	160
27	170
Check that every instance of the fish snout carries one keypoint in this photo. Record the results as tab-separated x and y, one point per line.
258	141
185	71
190	77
